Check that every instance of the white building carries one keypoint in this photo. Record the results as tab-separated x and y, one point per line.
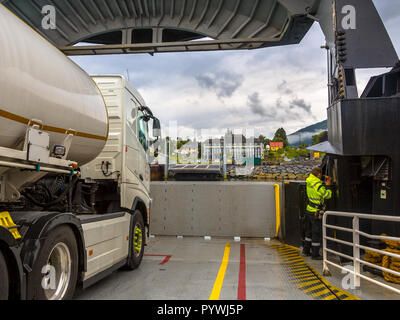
237	149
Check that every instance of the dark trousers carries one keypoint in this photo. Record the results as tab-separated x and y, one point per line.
312	233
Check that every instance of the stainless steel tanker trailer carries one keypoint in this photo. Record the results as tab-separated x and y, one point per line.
74	172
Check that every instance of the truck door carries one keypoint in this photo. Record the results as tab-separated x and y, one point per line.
132	146
136	171
143	165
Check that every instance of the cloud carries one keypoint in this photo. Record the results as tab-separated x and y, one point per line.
255	104
386	10
265	88
300	103
223	83
283	87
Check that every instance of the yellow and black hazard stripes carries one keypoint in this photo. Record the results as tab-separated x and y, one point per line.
306	278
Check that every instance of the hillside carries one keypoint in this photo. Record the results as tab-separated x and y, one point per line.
305	134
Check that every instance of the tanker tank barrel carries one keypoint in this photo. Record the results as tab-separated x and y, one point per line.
42	87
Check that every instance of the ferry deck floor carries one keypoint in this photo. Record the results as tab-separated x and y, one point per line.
194	268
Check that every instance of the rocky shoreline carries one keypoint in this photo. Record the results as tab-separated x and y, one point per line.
284	171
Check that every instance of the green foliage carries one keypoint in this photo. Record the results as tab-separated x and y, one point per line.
296	153
303	153
322	137
287	151
181	143
280	136
291	153
199	150
303	145
279	139
274	156
265	141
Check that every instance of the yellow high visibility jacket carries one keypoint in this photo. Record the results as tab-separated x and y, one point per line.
316	193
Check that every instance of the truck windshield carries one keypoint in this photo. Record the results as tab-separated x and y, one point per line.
143	133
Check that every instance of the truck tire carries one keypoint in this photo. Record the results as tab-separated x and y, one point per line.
137	236
55	271
4	289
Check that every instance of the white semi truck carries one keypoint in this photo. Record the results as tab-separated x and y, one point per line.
74	172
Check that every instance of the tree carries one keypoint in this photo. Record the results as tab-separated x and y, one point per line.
275	156
303	145
199	150
181	143
280	136
265	141
321	137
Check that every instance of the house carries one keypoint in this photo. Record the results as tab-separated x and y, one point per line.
212	150
189	148
238	149
275	146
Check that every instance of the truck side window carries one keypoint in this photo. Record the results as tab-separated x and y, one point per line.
143	133
131	116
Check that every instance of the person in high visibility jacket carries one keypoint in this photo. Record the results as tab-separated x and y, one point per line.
317	193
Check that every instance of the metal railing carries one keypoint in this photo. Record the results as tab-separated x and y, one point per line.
357	262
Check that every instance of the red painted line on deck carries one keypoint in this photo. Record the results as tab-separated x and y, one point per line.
166	259
242	274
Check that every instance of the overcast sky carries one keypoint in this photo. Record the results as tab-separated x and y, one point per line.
260	90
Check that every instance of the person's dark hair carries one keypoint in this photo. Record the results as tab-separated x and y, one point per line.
316	171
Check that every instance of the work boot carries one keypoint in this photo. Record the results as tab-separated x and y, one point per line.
307	249
317	258
315	253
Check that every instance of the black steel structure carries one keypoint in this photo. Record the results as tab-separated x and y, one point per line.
153	26
363	151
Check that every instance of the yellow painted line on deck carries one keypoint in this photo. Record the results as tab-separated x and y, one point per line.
221	274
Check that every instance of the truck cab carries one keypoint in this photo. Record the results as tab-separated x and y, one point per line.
125	157
76	225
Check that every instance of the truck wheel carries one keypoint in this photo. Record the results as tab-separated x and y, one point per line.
138	234
3	278
55	273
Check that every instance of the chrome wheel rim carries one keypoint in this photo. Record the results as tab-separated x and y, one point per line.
57	272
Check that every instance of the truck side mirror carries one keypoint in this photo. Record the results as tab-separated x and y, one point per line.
156	128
